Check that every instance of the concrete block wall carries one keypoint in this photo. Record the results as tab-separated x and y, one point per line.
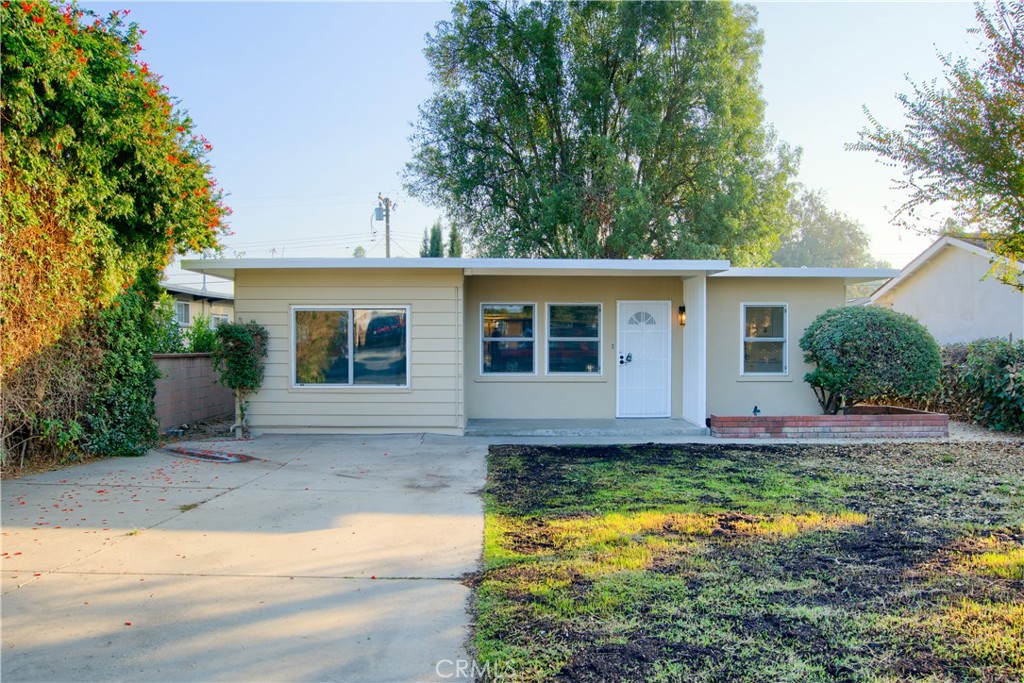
187	390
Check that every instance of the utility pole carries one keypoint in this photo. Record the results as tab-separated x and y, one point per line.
386	205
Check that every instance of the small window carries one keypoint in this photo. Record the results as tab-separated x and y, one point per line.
351	346
574	339
764	339
217	319
508	339
182	311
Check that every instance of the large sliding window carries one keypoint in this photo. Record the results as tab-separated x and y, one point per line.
348	345
574	339
764	339
507	336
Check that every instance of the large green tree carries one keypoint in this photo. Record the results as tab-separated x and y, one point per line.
824	238
963	143
602	130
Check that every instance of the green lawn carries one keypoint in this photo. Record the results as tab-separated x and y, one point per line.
729	563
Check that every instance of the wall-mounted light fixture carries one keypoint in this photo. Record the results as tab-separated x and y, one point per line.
682	316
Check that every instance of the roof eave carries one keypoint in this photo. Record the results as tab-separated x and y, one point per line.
849	276
226	268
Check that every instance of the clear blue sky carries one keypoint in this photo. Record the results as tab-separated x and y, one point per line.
310	105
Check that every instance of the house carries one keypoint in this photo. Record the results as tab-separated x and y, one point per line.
190	303
947	290
414	345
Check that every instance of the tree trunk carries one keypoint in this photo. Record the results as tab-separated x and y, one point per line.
239	429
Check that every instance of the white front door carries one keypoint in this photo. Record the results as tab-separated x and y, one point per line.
644	355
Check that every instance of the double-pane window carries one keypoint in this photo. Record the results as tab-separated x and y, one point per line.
340	346
764	339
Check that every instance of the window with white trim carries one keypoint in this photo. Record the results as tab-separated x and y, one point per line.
764	339
350	346
217	319
182	313
574	339
507	339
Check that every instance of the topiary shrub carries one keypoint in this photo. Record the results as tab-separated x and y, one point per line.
861	352
238	358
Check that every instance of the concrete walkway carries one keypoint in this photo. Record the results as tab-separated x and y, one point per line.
326	558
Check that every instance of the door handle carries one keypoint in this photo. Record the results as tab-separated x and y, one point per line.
623	359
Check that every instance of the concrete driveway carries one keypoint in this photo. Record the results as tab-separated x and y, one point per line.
325	558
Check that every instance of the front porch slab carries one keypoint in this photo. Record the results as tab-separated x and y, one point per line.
633	427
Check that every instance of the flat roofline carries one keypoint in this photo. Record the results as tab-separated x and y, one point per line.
850	276
225	268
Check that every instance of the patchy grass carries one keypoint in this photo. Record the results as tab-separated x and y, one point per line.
773	563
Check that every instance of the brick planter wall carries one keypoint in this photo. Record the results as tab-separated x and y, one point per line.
863	422
187	390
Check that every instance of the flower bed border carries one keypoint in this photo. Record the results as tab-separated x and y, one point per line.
864	422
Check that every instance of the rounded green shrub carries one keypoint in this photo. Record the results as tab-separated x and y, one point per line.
863	351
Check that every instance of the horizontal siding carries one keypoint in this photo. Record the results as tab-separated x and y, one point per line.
431	402
282	381
282	306
389	421
374	406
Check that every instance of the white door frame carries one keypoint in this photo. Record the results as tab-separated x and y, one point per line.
667	307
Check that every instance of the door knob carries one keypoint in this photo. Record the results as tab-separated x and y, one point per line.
623	359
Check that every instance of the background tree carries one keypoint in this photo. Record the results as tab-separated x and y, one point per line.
602	130
359	252
102	180
433	241
454	242
824	238
962	145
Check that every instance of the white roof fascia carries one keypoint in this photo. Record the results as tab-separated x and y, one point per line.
849	276
926	256
225	268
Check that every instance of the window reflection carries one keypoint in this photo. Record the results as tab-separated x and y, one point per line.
508	338
379	346
574	338
345	346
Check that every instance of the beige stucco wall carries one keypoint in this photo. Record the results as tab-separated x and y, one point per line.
205	307
730	393
543	396
433	400
950	297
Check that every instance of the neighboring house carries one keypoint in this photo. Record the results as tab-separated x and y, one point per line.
189	303
946	288
414	345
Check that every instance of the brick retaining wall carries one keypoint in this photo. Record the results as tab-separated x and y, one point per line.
187	390
863	422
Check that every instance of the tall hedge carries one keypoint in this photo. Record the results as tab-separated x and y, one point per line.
120	414
863	351
102	179
982	382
